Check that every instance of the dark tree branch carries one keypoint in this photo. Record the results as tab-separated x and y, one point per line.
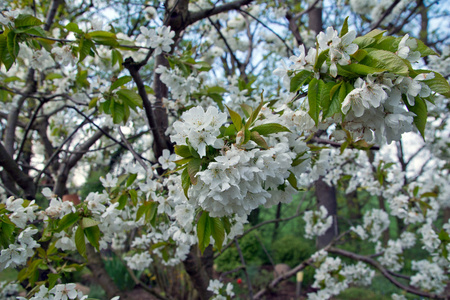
22	179
197	16
386	13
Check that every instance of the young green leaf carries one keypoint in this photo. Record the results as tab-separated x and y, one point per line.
344	28
93	236
420	111
313	99
270	128
217	232
119	82
193	167
27	20
235	118
204	231
80	242
299	80
382	59
67	221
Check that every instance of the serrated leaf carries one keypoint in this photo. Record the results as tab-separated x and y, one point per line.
359	54
133	196
80	242
85	48
226	224
258	139
27	20
313	99
204	231
67	221
193	167
116	58
119	82
382	59
5	57
235	118
270	128
88	222
218	99
376	34
438	84
299	80
388	43
117	112
93	236
217	232
131	98
230	130
332	105
424	49
13	44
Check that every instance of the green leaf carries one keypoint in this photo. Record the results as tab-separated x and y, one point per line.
292	180
142	210
122	201
218	99
88	222
331	105
185	181
27	20
119	82
67	221
93	236
193	167
217	232
258	139
320	59
80	242
424	49
73	27
104	38
5	57
118	112
388	43
183	151
299	80
361	69
364	42
13	44
313	99
230	130
226	224
131	179
133	196
254	114
382	59
52	279
344	28
116	58
247	109
439	85
420	111
85	48
235	118
130	98
359	55
204	231
270	128
376	34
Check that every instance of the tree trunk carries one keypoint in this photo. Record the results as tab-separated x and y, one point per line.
326	196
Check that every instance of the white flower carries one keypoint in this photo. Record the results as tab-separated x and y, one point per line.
215	286
65	291
109	181
64	55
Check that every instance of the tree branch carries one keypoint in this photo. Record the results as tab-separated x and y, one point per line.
197	16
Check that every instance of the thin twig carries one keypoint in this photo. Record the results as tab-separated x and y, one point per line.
130	148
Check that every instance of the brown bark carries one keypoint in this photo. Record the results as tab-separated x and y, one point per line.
199	271
326	196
